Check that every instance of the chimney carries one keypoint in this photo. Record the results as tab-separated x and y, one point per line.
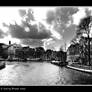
9	42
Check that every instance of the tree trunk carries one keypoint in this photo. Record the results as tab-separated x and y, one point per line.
89	50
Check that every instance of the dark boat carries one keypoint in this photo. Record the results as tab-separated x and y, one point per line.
2	64
63	63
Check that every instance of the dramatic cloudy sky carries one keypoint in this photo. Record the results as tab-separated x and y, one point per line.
50	27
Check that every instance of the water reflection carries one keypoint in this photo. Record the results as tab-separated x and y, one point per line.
73	77
41	74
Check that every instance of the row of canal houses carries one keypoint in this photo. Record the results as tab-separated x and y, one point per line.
9	50
48	55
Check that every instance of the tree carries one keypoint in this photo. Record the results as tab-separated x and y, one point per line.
31	52
84	29
48	54
39	52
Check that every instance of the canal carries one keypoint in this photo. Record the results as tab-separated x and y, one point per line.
45	74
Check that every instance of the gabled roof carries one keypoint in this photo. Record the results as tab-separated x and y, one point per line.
2	44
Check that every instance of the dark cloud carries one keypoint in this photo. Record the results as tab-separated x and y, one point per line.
22	12
32	42
19	32
88	12
27	14
65	13
2	34
30	15
50	17
61	14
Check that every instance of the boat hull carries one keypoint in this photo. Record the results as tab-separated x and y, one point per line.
2	65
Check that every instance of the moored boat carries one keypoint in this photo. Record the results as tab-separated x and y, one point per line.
59	63
2	64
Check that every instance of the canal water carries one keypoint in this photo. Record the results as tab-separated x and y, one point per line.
41	74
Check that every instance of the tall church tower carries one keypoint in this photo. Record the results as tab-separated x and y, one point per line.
9	42
10	51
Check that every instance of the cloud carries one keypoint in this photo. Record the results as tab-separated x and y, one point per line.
22	12
32	42
61	14
61	26
2	34
51	33
19	32
50	16
37	33
27	14
69	33
61	19
65	13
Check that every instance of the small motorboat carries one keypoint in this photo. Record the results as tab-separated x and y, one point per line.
59	63
2	64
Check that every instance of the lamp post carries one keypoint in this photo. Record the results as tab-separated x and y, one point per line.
89	48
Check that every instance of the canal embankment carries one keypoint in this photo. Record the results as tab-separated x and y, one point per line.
82	68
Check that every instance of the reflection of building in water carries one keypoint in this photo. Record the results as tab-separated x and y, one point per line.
12	49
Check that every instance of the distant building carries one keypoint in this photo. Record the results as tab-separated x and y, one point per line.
73	49
3	50
73	52
12	49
